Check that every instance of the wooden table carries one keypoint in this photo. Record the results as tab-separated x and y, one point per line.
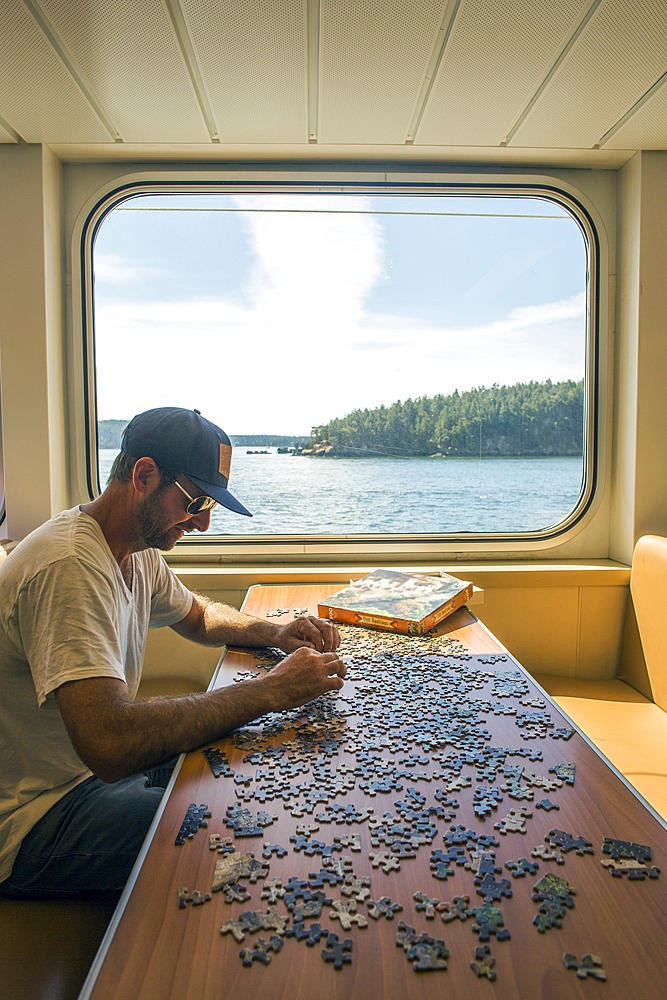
156	951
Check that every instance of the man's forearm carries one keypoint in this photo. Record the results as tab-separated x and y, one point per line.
238	628
116	737
214	624
158	729
127	737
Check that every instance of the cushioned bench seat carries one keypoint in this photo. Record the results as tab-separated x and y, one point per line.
627	718
629	729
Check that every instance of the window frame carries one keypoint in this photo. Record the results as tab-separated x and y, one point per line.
550	185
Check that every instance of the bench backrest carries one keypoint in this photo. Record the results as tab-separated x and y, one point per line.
648	586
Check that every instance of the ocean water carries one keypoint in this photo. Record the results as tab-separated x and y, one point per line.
291	495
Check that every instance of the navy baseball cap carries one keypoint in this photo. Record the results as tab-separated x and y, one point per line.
183	441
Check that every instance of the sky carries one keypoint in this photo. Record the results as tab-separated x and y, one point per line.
273	313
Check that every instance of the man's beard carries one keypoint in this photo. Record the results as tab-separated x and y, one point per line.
152	524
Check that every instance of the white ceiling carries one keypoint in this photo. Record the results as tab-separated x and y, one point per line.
489	79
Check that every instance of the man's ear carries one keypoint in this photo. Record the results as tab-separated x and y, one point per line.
145	475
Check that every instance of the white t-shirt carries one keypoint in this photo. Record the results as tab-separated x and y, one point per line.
66	613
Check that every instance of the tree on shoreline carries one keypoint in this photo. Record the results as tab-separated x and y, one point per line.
529	418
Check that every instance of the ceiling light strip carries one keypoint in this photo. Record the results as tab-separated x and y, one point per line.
428	82
546	80
634	109
313	16
192	65
68	61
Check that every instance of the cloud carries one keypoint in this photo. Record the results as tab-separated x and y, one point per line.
261	370
116	270
314	268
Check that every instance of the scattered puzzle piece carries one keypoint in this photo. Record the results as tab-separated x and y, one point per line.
383	908
194	819
483	963
245	824
428	957
489	921
565	772
195	897
514	822
231	868
426	953
270	849
346	914
590	965
554	886
486	865
273	890
260	952
566	842
522	867
635	870
308	909
311	934
337	951
218	762
457	909
548	917
357	887
385	861
490	889
427	905
626	849
223	845
255	920
542	851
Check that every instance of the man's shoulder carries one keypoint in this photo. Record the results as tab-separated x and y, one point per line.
69	535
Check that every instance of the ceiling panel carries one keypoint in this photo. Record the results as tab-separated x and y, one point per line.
252	54
373	57
129	55
496	56
38	97
618	57
647	129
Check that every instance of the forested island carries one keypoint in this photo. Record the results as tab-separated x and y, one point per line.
531	418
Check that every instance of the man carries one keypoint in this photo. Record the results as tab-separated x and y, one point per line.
76	599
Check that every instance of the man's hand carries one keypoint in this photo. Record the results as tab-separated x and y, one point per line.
302	676
311	632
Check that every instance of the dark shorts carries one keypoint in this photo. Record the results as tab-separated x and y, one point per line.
89	840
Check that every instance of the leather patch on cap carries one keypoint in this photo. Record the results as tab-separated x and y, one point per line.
225	460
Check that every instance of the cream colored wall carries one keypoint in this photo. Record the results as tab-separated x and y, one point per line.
639	481
32	342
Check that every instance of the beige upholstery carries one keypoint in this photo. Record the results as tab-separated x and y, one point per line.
648	584
629	727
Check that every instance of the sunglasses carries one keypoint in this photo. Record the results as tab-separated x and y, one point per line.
197	504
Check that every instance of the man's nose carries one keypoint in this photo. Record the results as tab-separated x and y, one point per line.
202	520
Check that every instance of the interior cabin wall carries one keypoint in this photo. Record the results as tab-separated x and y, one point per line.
639	480
32	337
573	627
